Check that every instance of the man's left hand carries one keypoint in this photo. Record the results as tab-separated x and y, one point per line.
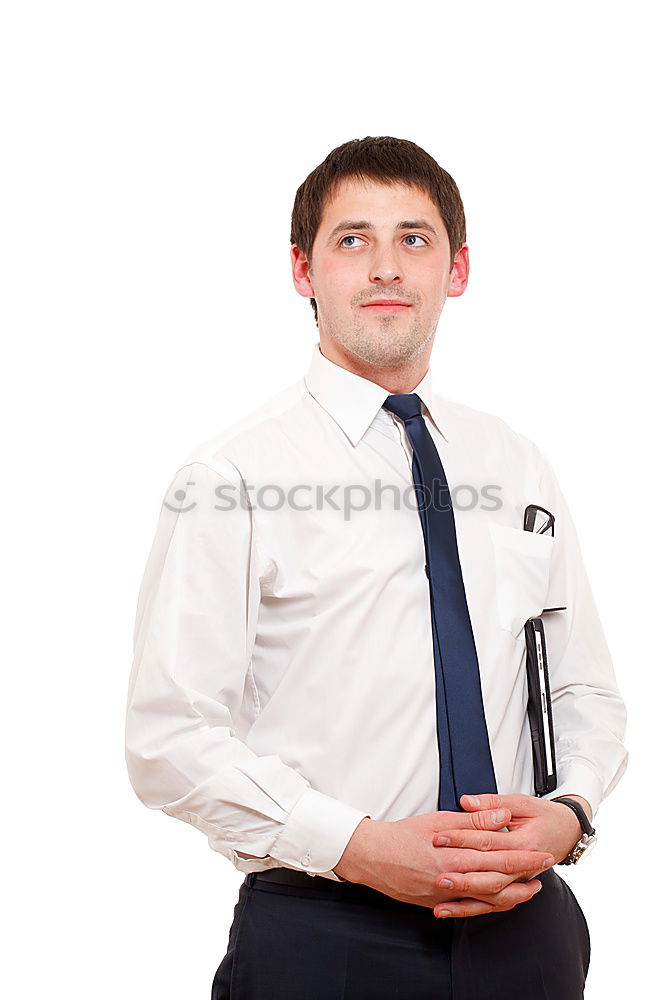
536	824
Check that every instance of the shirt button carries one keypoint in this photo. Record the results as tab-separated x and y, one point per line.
426	571
306	859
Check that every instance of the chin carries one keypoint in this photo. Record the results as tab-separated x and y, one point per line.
385	355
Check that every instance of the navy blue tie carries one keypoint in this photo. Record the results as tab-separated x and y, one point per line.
466	766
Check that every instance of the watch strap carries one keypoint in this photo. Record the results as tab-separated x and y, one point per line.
587	838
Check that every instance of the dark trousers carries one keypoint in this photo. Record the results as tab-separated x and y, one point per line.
358	944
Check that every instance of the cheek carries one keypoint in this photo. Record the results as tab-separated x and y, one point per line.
334	267
431	281
337	277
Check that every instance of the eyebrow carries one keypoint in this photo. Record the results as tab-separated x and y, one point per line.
369	227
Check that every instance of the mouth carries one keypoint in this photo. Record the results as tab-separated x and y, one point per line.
387	305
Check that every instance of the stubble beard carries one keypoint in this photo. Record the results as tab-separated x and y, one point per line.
387	344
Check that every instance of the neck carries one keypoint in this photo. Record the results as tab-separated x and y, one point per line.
394	378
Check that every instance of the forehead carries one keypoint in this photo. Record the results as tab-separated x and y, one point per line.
379	202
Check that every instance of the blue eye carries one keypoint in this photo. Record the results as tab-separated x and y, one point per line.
410	236
414	236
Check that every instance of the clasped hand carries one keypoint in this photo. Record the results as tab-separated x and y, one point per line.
533	824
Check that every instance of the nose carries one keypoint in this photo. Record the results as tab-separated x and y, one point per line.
385	267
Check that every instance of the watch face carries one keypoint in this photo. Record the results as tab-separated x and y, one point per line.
583	847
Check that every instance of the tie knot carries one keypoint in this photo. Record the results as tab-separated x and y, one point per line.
404	405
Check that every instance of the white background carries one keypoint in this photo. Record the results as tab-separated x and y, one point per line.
151	156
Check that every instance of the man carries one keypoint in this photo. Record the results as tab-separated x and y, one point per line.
330	661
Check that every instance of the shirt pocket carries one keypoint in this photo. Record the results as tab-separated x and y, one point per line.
522	563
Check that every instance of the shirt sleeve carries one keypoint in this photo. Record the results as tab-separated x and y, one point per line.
589	715
193	640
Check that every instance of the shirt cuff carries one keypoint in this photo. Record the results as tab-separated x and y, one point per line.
578	779
316	834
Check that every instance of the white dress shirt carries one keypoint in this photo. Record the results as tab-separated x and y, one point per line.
283	683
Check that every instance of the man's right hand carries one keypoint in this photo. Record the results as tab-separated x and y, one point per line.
398	858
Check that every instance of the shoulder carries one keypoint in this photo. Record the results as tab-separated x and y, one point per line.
226	451
476	426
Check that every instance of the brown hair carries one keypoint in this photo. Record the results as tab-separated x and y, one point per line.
381	158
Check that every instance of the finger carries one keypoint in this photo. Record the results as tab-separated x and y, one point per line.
505	900
487	801
511	895
488	841
475	884
480	840
507	862
526	876
484	819
463	908
522	805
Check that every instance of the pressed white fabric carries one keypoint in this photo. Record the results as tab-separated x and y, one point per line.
283	682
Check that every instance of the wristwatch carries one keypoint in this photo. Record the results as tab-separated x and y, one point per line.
588	838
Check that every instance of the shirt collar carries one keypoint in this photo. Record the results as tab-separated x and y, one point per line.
353	401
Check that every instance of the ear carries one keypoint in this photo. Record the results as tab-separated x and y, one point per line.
300	272
459	273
